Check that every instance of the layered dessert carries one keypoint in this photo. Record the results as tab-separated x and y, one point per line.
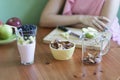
26	41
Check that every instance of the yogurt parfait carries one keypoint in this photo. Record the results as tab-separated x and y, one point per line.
26	42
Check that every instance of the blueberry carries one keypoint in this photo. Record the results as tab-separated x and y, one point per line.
28	28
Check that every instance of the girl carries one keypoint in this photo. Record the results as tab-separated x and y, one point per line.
100	14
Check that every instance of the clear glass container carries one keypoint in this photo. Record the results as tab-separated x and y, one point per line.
93	49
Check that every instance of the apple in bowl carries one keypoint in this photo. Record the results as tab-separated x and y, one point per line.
5	32
14	21
1	22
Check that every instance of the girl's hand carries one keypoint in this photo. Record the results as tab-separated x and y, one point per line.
98	22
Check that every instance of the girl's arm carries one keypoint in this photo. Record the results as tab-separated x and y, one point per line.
51	17
110	9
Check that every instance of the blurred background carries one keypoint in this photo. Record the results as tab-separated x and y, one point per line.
28	11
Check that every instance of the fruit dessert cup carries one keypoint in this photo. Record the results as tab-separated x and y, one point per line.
62	50
26	42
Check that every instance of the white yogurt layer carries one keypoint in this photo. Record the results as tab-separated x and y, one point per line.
27	52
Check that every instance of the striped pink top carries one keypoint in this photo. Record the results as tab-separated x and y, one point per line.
91	7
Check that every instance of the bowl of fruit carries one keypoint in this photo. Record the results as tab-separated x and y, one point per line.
7	30
6	34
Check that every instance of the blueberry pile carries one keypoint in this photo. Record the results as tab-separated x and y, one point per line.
28	29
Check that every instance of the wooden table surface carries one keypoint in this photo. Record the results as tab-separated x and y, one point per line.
46	67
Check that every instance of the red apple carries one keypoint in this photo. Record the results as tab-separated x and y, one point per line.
1	23
14	21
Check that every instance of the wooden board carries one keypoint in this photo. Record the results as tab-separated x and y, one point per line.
56	34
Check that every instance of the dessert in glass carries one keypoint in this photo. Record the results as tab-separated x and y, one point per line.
26	42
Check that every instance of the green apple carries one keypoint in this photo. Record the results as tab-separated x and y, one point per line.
89	35
89	32
5	32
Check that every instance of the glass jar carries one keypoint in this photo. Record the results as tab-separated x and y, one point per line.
94	48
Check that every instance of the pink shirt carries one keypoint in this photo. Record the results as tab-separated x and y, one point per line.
91	7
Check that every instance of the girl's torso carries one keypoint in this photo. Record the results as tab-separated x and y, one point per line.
85	7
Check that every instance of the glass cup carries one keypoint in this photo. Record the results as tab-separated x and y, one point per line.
93	49
26	43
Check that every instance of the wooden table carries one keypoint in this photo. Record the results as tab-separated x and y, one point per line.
46	67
